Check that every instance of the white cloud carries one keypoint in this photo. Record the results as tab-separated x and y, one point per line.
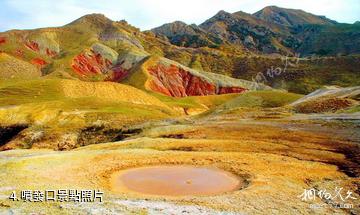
148	14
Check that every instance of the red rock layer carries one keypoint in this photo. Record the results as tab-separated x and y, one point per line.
19	53
88	63
50	53
91	63
2	40
226	90
177	82
33	46
38	62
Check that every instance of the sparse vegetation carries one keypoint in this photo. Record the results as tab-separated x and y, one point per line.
178	103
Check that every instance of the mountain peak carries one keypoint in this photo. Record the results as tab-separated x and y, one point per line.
97	19
222	14
291	17
271	7
174	28
169	29
178	24
274	8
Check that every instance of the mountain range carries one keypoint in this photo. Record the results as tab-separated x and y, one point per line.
225	54
270	30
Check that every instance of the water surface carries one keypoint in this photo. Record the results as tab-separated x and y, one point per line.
175	180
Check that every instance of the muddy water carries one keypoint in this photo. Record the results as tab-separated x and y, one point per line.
175	181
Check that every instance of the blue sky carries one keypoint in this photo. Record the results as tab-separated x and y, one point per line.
147	14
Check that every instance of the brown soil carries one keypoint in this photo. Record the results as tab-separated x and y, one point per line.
324	105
